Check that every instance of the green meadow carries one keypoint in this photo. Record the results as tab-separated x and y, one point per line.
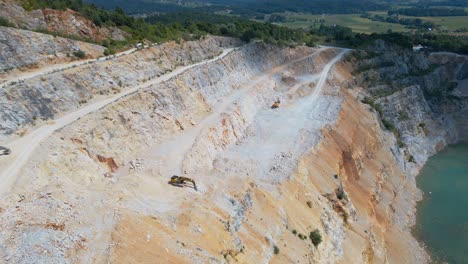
353	21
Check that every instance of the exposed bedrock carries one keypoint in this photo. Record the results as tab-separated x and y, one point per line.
267	177
22	49
50	96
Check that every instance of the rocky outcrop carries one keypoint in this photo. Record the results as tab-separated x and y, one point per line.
419	96
420	99
22	49
65	22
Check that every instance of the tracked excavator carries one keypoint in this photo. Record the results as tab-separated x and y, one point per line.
276	104
180	181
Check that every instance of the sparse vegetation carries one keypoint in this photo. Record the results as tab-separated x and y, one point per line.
422	72
367	100
8	69
109	51
423	127
276	250
391	127
387	124
294	232
362	68
365	67
5	23
315	237
371	102
79	54
403	115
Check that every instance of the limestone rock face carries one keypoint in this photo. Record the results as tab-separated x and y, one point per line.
50	95
421	99
65	22
423	96
22	49
96	189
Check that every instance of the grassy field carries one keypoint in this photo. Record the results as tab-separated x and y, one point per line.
450	23
362	25
353	21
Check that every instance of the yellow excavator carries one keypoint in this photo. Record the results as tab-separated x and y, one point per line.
276	104
181	181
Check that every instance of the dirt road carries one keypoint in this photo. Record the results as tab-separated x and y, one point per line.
55	68
152	195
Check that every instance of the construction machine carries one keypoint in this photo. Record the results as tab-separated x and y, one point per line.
181	181
276	104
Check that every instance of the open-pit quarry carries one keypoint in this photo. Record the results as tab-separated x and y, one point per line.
93	147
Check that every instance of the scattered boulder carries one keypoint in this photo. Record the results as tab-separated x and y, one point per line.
136	165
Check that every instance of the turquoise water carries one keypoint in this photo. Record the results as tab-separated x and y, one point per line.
442	220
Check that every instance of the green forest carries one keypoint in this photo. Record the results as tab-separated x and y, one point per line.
191	24
174	26
428	11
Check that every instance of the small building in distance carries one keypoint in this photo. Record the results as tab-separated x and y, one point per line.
418	47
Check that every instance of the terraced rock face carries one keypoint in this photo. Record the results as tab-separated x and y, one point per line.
65	22
25	50
90	184
48	96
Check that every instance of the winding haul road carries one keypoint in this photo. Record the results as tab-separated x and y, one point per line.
25	146
57	67
171	153
169	157
22	148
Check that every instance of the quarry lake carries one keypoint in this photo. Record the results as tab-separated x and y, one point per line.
442	220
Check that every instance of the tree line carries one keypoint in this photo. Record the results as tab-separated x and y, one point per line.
174	26
197	23
190	25
415	23
429	3
428	11
249	8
